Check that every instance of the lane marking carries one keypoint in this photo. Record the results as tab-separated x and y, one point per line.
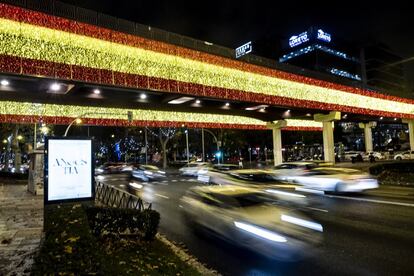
311	191
317	209
373	200
163	196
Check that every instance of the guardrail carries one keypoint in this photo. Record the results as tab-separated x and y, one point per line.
114	197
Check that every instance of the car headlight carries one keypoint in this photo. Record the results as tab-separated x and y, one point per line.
261	232
302	222
148	172
161	172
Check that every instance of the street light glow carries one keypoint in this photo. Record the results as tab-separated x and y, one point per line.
19	137
55	86
78	121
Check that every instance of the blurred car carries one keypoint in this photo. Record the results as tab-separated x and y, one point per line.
331	179
109	168
250	219
285	170
147	173
226	167
262	180
404	155
191	169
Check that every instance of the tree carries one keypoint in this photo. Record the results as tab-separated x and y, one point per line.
164	135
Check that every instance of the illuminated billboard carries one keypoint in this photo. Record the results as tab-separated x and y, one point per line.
68	170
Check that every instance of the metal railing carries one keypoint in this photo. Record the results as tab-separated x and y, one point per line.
114	197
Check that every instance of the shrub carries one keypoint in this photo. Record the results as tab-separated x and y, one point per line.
115	221
402	166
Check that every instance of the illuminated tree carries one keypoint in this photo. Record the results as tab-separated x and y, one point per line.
164	135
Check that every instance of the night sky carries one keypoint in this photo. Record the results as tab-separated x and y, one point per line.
231	23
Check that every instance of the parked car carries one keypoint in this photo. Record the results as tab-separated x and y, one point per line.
191	169
250	219
373	154
404	155
353	156
147	173
332	179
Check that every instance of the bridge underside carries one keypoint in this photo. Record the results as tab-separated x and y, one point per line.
31	100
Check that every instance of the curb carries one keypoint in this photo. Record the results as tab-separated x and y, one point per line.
187	258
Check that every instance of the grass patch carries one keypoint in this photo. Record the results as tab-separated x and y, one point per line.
71	248
131	256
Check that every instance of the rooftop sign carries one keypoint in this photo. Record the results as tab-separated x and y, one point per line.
244	49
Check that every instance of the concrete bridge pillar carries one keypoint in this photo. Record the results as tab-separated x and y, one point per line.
410	132
368	134
328	139
276	128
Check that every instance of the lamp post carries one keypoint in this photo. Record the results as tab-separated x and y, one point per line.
214	139
77	121
186	140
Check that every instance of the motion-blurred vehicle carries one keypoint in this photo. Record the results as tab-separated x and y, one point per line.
353	156
406	155
250	219
109	168
285	170
331	179
262	180
191	169
226	167
147	173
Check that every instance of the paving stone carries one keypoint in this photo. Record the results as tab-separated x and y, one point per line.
21	225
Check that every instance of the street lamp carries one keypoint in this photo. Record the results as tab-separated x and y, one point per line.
186	140
214	139
77	121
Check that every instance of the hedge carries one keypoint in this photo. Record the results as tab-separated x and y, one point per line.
400	166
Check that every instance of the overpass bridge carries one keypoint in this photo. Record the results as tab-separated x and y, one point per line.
55	69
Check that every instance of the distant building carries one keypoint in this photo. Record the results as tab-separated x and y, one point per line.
383	69
318	50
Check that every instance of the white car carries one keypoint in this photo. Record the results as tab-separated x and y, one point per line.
377	156
286	170
191	169
250	219
348	155
336	180
404	155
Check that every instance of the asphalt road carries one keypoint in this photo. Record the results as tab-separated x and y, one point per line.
364	234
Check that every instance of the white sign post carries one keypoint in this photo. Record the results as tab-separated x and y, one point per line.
68	170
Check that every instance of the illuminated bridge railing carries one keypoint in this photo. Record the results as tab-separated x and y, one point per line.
80	14
113	197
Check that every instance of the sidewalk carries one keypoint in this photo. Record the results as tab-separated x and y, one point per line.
21	225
